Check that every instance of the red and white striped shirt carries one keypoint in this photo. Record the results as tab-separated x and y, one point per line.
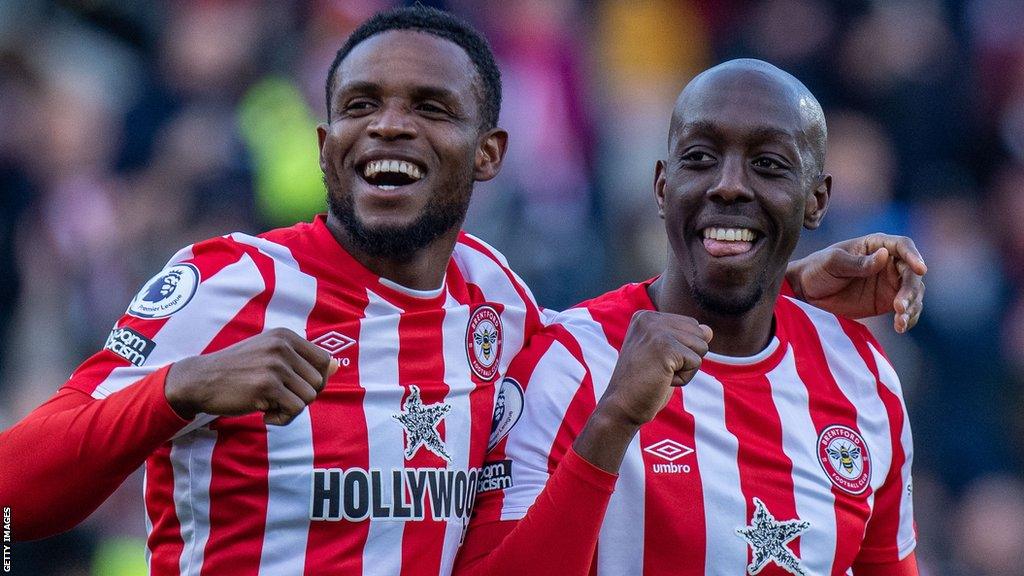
795	461
378	475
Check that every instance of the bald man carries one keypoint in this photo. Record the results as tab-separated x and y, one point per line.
788	451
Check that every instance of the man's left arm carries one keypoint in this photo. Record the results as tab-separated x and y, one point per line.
865	276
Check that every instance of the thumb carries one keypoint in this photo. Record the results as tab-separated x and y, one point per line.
333	366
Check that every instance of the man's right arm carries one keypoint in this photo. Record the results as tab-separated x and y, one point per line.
152	377
67	456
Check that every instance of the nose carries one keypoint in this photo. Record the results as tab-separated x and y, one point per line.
392	122
731	185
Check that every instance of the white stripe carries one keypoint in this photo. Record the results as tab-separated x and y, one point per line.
458	421
812	493
906	539
190	460
290	459
725	509
378	368
289	448
191	330
557	378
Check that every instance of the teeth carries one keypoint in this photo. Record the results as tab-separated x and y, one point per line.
392	166
729	234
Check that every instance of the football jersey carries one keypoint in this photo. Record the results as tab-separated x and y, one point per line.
379	474
794	461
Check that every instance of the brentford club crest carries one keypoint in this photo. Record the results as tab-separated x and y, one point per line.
483	342
845	459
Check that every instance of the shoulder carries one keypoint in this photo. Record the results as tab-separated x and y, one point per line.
480	262
481	268
603	321
842	341
800	318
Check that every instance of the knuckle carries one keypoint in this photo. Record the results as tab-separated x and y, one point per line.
278	366
267	386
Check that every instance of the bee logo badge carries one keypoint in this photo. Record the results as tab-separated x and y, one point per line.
844	458
483	342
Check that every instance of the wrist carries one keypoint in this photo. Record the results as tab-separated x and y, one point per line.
609	417
605	437
179	389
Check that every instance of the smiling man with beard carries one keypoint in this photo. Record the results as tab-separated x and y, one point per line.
318	399
752	433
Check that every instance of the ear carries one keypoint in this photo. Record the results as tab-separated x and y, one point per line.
490	154
817	202
659	187
321	135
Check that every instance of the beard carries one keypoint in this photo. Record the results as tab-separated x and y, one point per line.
400	243
733	304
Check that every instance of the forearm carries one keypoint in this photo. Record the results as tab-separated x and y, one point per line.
604	440
566	519
63	460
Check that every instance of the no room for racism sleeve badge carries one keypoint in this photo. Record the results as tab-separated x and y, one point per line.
844	457
483	342
166	293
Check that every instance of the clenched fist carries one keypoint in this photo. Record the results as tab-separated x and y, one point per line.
278	373
660	351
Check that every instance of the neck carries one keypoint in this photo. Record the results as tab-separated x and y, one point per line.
743	334
422	270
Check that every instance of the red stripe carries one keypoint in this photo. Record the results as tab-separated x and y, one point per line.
580	407
210	257
340	436
239	464
765	470
882	535
420	363
673	502
164	541
828	406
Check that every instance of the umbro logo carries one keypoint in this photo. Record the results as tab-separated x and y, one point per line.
669	450
333	342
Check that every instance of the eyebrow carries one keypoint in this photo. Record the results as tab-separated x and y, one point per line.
760	133
419	92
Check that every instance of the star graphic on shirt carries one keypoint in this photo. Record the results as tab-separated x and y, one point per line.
768	538
420	422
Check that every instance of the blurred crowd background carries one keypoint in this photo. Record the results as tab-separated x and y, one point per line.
131	129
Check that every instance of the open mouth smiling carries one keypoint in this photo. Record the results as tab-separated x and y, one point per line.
389	174
722	242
